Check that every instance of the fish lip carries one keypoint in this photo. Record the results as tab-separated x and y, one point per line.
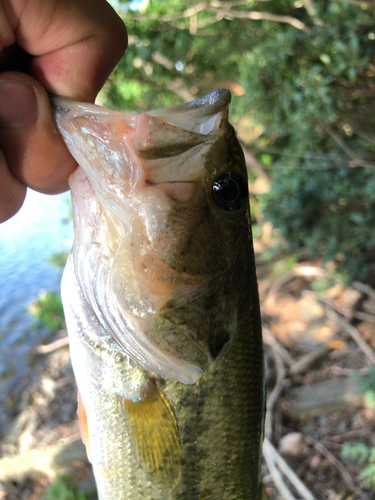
62	106
207	115
212	103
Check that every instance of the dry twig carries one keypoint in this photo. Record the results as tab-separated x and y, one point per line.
303	364
344	311
339	466
365	316
356	162
224	10
272	458
302	270
276	391
354	333
344	323
53	346
275	473
361	287
270	339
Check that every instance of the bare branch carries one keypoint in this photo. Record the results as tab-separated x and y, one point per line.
311	10
276	391
339	466
357	162
224	10
272	458
344	323
362	2
177	86
269	338
356	336
162	60
193	11
260	16
256	167
365	135
274	471
361	287
310	359
57	344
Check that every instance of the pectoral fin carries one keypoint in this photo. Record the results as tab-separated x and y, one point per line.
155	434
83	426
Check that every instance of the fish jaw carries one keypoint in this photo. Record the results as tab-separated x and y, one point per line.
141	177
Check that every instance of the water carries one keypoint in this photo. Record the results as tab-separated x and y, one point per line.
26	241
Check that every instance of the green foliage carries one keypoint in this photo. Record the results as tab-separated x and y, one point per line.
69	217
367	386
48	309
364	456
58	260
332	212
306	85
62	490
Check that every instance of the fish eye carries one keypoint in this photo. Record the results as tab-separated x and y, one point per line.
230	191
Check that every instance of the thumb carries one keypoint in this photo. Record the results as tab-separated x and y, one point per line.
33	149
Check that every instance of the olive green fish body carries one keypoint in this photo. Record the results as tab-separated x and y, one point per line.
219	419
161	302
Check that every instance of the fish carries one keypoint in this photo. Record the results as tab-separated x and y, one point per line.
161	302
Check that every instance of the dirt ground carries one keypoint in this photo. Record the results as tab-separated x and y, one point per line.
319	340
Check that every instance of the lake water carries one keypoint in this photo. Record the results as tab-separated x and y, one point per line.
35	233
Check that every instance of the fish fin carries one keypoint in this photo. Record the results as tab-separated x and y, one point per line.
155	435
83	425
264	494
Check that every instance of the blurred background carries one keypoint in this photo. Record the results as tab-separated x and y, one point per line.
303	93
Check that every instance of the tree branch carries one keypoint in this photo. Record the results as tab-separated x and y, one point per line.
272	458
357	162
224	10
261	16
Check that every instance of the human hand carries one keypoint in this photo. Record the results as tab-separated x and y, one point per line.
69	47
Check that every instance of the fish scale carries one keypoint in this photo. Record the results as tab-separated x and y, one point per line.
162	309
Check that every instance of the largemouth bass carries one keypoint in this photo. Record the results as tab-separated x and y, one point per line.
161	302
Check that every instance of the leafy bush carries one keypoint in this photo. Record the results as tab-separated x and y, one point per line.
362	453
332	212
61	490
364	456
48	309
58	260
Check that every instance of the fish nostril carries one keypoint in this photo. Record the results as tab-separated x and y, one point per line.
216	344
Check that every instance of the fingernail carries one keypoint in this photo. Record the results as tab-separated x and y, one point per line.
18	104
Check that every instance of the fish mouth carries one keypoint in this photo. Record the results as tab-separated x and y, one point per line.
205	115
119	155
136	142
